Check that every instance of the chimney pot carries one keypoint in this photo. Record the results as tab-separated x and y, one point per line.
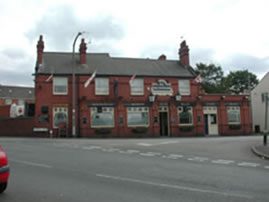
162	57
82	51
184	54
40	48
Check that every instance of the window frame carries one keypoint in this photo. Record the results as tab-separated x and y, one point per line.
97	88
182	83
135	110
238	115
180	110
54	86
94	110
8	101
141	88
55	110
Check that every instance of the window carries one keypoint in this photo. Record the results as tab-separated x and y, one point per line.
184	87
8	101
101	86
138	116
21	102
185	115
233	115
102	117
60	86
137	87
60	116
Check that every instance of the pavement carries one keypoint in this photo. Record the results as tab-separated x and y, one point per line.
261	151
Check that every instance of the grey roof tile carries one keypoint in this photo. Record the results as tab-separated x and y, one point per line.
17	92
61	63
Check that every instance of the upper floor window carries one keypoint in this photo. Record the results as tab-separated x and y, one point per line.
184	87
137	87
233	115
101	86
60	86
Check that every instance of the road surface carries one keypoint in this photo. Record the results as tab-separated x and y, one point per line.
151	170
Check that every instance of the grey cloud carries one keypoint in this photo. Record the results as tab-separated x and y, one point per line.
8	77
14	53
201	56
258	66
243	62
155	51
60	26
16	68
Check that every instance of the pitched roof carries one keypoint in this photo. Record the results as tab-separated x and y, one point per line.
61	63
17	92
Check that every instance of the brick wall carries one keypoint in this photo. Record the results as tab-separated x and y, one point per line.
17	127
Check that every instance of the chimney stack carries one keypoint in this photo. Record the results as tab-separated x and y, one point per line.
184	54
40	48
82	51
162	57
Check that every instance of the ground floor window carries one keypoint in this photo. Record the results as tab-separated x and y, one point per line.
102	117
185	115
60	116
233	115
137	116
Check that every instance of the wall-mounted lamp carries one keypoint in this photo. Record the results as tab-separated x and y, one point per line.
178	97
151	98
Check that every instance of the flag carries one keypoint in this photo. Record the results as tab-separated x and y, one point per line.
90	79
198	79
49	78
132	80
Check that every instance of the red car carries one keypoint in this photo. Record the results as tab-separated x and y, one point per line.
4	170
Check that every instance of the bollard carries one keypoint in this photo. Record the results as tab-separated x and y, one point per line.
265	139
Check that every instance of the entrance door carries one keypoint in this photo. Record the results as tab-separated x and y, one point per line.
163	117
211	121
211	124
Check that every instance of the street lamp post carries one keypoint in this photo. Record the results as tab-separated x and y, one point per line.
74	134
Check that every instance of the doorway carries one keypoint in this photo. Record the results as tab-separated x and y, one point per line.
211	124
163	117
164	120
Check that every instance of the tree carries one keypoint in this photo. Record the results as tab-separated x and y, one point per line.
240	81
212	77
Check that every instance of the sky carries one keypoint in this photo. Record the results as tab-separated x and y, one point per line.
230	33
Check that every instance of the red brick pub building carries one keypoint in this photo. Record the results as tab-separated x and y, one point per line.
129	97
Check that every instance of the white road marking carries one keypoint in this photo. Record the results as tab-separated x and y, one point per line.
161	143
222	161
149	154
124	152
91	147
171	186
167	142
248	164
144	144
199	159
131	151
266	167
31	163
112	150
174	156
